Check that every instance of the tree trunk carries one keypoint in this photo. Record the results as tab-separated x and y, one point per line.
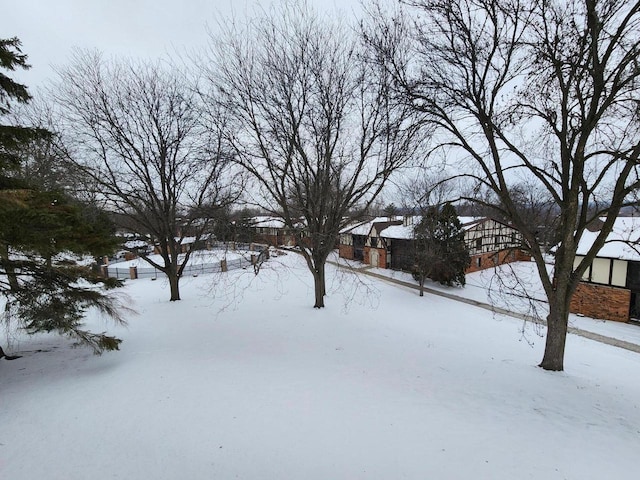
422	285
174	280
8	357
8	269
318	280
557	322
322	274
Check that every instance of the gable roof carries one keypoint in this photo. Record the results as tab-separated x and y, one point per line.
405	231
364	228
622	243
265	221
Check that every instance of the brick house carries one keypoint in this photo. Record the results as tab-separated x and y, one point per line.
491	242
362	241
390	243
272	231
610	288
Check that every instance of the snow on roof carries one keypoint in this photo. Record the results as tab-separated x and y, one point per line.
131	244
468	222
363	228
622	243
405	231
398	231
263	221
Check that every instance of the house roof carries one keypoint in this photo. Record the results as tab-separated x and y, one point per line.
264	221
468	222
131	244
622	243
398	232
364	228
405	232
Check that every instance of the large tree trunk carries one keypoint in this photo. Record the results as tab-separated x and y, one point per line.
319	283
174	280
557	322
171	261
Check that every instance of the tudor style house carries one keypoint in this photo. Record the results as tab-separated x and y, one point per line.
389	242
492	243
355	239
610	288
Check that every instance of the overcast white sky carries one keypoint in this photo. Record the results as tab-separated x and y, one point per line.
49	29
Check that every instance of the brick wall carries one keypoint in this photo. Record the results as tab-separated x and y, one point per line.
382	256
522	256
601	301
490	260
346	251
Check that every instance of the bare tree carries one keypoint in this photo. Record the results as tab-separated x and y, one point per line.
542	90
135	130
311	120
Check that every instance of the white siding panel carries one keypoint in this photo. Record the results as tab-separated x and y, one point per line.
600	270
619	277
576	262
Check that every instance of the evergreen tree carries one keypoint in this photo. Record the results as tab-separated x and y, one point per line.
42	291
391	210
441	253
426	250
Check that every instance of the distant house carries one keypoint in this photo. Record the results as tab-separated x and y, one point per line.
187	244
390	242
272	231
610	288
205	242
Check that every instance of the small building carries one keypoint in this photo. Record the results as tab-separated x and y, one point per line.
610	287
272	231
187	244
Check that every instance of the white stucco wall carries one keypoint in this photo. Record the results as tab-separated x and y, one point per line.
601	268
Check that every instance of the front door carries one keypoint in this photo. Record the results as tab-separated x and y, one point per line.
373	257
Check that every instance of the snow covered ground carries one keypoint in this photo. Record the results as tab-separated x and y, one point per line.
243	379
508	287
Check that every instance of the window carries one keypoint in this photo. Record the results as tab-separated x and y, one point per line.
479	243
479	262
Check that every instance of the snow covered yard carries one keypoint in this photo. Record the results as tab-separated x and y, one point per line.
253	383
511	286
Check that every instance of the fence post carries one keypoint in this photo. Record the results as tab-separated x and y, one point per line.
105	271
223	265
133	272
